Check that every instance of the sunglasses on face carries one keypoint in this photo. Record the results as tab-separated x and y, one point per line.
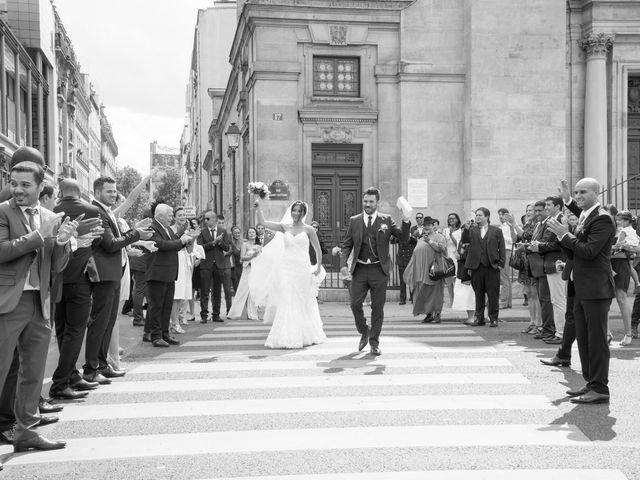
419	218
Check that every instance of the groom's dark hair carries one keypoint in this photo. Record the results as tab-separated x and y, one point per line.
372	191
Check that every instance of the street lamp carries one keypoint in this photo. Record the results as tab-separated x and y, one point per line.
233	139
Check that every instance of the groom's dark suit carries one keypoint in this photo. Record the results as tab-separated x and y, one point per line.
370	266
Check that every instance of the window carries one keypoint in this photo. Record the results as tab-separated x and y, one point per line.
336	76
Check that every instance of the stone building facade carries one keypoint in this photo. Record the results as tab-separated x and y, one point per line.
27	82
455	104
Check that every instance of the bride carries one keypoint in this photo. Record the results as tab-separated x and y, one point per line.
285	284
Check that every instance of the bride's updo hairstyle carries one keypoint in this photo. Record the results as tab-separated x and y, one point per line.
303	207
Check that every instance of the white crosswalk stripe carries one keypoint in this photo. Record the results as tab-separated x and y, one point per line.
227	398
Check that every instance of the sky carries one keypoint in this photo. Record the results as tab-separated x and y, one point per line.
137	54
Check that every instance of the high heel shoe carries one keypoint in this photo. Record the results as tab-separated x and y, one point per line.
177	329
530	328
609	338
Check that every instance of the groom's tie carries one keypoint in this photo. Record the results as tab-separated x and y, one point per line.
369	222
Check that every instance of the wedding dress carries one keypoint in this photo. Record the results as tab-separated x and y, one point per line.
283	286
292	306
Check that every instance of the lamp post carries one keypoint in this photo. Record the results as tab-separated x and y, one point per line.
233	139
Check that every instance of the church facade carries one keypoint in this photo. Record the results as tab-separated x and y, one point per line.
454	104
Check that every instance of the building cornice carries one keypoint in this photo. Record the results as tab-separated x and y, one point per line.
329	117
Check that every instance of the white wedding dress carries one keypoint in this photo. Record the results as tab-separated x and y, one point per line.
291	304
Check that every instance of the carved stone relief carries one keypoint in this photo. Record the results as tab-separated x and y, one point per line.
338	34
337	134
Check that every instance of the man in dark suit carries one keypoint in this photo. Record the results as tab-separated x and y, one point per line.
72	310
589	265
403	256
418	229
368	236
33	244
105	274
485	260
161	275
215	268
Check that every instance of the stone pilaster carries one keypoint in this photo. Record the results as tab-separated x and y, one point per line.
596	46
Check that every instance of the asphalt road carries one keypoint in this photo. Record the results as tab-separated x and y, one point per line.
443	401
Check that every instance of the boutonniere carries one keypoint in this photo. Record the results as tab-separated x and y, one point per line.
578	229
383	228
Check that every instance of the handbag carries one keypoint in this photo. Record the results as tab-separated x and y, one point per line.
518	259
442	267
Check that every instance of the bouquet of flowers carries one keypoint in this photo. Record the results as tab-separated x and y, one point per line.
260	189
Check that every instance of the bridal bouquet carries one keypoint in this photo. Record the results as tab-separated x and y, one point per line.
260	189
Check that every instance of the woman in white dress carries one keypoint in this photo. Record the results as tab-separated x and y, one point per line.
452	234
284	281
243	305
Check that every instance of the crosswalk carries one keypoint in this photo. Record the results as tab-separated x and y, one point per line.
221	406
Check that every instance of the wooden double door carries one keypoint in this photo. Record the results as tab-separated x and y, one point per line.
337	190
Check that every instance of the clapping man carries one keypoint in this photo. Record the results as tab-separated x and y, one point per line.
33	244
215	268
162	272
589	266
105	274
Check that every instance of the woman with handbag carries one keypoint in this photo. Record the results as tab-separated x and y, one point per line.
428	256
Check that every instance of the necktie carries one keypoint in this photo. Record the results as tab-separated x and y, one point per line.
369	222
34	271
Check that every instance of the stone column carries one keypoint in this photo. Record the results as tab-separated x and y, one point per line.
596	46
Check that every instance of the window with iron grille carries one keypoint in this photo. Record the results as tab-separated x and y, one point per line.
336	76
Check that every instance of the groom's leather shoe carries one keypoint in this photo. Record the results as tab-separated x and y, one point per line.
591	397
556	362
364	339
375	351
37	443
578	392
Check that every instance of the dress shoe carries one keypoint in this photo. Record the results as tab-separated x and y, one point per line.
543	335
146	337
553	341
83	386
578	392
111	373
6	436
403	302
428	318
556	362
67	394
138	323
47	420
479	323
493	323
171	340
375	351
37	443
364	339
591	397
45	407
217	319
96	377
160	343
436	318
204	320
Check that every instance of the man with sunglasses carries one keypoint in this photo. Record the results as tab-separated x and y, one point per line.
589	266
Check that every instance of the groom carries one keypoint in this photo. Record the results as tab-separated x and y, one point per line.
368	237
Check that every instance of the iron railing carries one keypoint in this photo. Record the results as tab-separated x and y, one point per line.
624	194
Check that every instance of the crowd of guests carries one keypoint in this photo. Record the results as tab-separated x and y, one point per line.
78	263
484	268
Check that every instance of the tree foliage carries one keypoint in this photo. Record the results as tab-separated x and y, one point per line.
126	180
170	190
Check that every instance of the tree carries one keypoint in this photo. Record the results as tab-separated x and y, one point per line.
170	191
127	178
